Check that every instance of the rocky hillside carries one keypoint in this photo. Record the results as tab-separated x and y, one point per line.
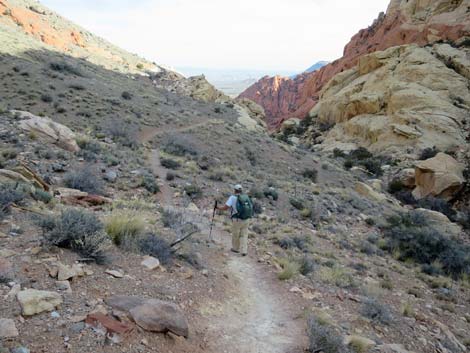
405	22
27	24
107	186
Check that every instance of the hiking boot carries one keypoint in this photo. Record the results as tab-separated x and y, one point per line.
235	251
244	254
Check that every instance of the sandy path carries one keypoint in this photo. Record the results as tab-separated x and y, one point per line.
256	317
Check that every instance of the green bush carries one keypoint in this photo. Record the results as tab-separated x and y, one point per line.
171	218
271	193
410	235
395	186
157	247
193	191
86	143
78	230
307	265
438	205
150	184
297	203
9	153
255	193
126	95
179	145
362	157
122	132
65	68
311	174
170	163
428	153
46	98
324	338
360	154
376	311
84	179
43	196
337	153
11	193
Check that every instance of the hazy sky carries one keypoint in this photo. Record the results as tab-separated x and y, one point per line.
254	34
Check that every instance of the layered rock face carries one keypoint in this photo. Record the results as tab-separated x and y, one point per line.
399	101
27	25
406	22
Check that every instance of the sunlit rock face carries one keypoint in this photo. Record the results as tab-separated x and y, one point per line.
418	22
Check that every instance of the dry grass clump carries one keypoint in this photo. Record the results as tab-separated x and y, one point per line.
337	276
124	225
289	269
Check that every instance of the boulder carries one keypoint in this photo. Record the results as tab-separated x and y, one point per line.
35	301
114	273
124	303
255	111
290	125
160	316
64	286
110	176
439	221
8	329
66	192
151	314
48	130
32	177
150	262
407	177
7	253
9	176
399	105
440	176
406	131
65	272
369	193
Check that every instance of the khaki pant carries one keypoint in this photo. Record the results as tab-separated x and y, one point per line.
240	235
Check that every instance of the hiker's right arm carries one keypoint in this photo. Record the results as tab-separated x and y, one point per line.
223	208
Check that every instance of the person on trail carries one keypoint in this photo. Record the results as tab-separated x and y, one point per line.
241	210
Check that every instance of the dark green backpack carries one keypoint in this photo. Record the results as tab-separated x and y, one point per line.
244	207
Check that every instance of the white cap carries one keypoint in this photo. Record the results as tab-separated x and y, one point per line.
238	187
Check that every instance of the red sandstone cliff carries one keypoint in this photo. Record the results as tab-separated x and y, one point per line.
406	21
53	32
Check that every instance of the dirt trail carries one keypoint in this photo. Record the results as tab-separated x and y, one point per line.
255	316
149	132
165	196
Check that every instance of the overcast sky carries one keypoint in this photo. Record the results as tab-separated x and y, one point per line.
251	34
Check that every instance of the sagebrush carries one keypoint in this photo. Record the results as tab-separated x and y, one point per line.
78	230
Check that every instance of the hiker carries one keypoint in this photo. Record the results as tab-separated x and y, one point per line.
241	210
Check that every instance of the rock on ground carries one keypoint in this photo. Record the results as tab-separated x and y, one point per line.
160	316
35	301
440	176
48	130
151	314
8	329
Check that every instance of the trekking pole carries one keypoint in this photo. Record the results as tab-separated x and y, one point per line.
212	222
